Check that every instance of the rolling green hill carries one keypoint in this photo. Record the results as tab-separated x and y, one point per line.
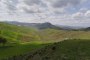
59	35
27	34
22	40
18	33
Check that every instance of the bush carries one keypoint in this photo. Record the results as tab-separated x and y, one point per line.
3	40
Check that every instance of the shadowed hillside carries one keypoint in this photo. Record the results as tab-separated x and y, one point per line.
75	49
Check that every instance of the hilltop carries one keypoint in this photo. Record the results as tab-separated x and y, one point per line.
35	25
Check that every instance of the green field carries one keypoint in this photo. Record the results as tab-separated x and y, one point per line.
18	49
22	40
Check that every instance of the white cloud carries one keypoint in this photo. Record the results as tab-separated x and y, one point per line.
78	15
82	15
87	14
9	5
39	6
54	11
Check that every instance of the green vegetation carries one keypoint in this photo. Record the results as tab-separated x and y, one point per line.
75	49
25	34
18	33
3	41
20	40
59	35
17	49
23	40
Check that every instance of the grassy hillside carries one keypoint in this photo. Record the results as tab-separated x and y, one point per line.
22	39
59	35
66	50
18	33
18	49
26	34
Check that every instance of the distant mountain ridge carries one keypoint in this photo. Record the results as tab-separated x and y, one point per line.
47	25
87	29
35	25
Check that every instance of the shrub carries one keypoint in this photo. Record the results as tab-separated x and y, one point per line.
3	40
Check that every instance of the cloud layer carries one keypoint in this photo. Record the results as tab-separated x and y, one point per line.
46	10
39	5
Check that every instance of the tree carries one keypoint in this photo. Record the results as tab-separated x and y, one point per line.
3	40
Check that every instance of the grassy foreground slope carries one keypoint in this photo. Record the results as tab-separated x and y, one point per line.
66	50
18	49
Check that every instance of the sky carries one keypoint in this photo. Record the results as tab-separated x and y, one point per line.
61	12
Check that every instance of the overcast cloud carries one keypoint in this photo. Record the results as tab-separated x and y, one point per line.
55	11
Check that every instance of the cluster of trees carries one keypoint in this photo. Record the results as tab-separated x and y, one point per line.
3	40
